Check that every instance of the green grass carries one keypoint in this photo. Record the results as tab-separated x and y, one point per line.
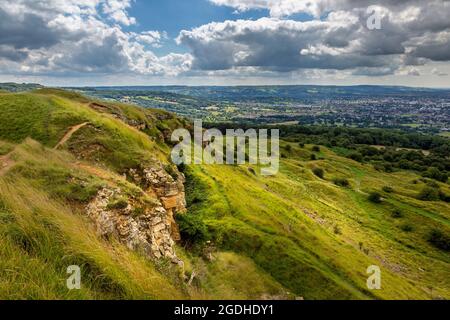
286	224
291	235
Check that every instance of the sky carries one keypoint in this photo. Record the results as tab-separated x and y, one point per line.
225	42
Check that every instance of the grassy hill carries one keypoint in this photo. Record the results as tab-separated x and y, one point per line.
291	235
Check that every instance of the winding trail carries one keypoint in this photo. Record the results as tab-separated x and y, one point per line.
69	134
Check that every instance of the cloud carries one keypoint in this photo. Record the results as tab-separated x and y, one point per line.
152	38
117	11
317	8
86	37
78	36
287	45
412	33
439	73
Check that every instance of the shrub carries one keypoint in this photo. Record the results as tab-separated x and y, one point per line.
444	197
313	157
301	145
436	174
337	230
171	171
319	172
120	203
288	148
356	156
429	194
375	197
388	189
193	230
342	182
439	240
316	149
397	214
407	227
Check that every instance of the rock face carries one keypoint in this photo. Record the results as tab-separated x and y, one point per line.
167	189
148	228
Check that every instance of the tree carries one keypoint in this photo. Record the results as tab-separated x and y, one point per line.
429	194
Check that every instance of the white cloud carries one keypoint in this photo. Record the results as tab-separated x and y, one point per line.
152	38
117	11
69	37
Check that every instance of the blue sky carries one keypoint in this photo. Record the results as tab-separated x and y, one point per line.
172	16
225	42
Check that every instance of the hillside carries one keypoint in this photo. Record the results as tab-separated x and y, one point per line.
88	182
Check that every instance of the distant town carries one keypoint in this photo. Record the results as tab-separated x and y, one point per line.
409	109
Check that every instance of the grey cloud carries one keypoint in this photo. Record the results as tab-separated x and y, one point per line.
412	33
104	57
282	45
434	51
31	32
12	54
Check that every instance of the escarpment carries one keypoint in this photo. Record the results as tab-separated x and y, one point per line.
147	227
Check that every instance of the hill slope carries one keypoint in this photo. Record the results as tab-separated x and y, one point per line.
89	183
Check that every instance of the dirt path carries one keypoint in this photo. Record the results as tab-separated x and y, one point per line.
5	163
69	134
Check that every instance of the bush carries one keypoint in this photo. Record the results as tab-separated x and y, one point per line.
342	182
375	197
171	171
288	148
356	156
301	145
119	204
436	174
315	149
193	230
429	194
388	189
337	230
407	227
439	240
319	172
313	157
397	214
444	197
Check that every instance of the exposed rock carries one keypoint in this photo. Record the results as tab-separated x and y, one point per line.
167	189
149	232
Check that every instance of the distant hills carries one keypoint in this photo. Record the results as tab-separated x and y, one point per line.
298	92
19	87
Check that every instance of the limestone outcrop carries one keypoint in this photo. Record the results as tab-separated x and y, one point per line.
148	228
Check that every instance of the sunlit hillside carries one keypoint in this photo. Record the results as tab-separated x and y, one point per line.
297	235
